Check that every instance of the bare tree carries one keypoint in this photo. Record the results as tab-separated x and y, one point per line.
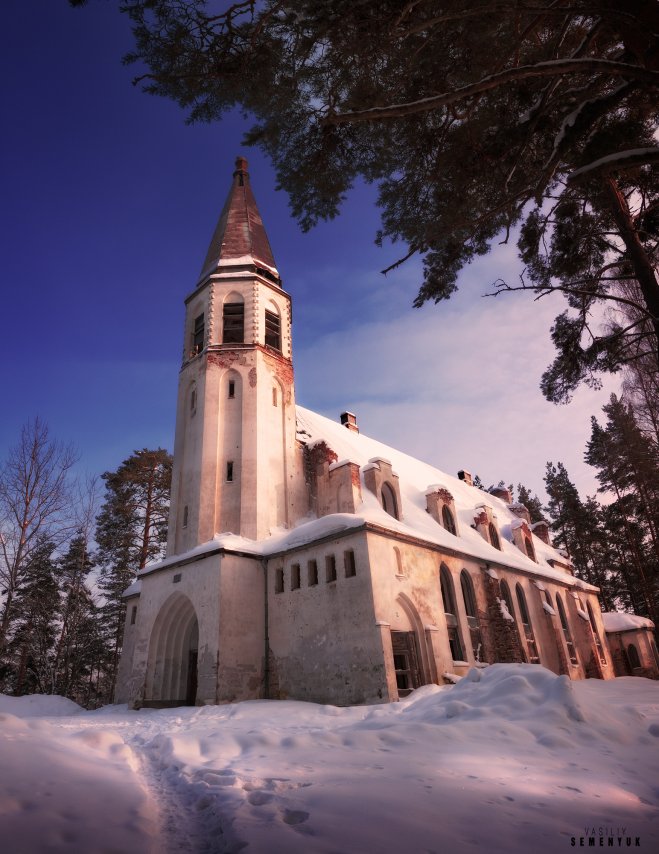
35	504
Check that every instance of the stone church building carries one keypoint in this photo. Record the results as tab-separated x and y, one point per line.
310	562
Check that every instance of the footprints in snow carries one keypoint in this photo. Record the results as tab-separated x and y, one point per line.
258	793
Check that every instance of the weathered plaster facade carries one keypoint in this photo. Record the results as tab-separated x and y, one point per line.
307	561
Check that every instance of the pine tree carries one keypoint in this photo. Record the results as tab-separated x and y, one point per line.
36	609
131	530
627	463
577	529
77	614
531	502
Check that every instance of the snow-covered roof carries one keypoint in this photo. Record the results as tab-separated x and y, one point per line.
620	621
415	477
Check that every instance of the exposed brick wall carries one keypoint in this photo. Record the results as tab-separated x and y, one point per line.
504	644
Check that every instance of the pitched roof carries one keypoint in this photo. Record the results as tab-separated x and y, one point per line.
239	235
415	478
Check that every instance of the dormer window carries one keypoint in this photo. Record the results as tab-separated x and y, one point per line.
272	330
448	520
494	536
529	548
198	335
233	323
389	500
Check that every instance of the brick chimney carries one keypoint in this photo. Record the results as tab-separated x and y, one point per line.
349	420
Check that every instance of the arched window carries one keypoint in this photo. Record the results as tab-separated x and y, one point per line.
534	658
507	598
468	594
233	320
529	547
389	500
472	614
198	334
596	634
272	327
632	655
566	630
494	536
451	614
448	521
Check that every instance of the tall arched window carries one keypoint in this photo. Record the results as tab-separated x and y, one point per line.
507	598
448	520
534	658
451	613
494	536
566	630
596	634
472	614
632	655
272	327
389	502
233	320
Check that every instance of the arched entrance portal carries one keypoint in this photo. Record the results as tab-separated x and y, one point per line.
172	669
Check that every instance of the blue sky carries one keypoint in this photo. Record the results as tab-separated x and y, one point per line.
108	203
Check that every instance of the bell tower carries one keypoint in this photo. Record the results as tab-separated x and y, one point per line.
236	461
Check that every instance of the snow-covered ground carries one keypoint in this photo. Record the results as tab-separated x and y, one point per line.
511	759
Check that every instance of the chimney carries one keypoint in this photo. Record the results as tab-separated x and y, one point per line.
349	420
466	476
502	493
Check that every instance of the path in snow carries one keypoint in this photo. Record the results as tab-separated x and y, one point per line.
511	759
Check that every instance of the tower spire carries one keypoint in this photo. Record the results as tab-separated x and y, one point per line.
239	236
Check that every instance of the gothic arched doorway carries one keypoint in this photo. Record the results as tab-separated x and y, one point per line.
172	668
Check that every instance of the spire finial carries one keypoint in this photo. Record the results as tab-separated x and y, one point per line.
241	165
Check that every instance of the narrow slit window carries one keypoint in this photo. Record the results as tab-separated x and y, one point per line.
312	571
272	330
349	563
274	396
229	471
279	581
330	568
295	576
233	323
232	388
185	516
133	615
193	400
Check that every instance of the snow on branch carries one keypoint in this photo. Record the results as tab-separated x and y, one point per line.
551	68
628	159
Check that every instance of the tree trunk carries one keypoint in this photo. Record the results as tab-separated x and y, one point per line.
636	254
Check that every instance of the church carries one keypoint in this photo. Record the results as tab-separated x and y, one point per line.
307	561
